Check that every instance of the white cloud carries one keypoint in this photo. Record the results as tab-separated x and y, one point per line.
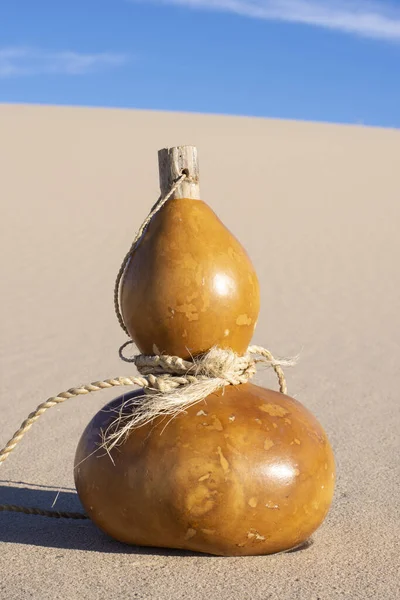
367	18
18	61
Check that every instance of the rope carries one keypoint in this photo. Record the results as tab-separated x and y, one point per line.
38	512
170	384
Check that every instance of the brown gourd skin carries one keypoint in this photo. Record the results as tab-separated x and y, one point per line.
189	285
247	471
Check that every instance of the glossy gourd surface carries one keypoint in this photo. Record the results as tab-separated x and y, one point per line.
246	471
189	285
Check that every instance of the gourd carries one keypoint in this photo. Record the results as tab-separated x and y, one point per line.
245	471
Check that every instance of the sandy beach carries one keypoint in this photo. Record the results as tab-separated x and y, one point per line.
317	208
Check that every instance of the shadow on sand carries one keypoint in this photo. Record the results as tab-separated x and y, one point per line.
66	533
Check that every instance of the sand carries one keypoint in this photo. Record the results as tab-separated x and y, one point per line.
317	207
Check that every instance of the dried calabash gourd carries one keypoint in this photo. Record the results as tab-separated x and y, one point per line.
245	471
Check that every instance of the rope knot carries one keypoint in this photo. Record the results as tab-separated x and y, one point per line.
165	372
224	364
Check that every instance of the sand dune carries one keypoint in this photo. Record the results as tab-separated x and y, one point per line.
317	207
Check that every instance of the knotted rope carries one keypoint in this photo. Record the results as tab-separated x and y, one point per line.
170	384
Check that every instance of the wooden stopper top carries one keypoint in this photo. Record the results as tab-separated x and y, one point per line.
172	162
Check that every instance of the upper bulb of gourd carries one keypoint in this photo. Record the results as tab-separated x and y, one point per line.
189	285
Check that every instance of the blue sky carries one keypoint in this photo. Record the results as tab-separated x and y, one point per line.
321	60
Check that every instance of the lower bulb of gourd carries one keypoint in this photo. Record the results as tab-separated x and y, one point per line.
246	471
